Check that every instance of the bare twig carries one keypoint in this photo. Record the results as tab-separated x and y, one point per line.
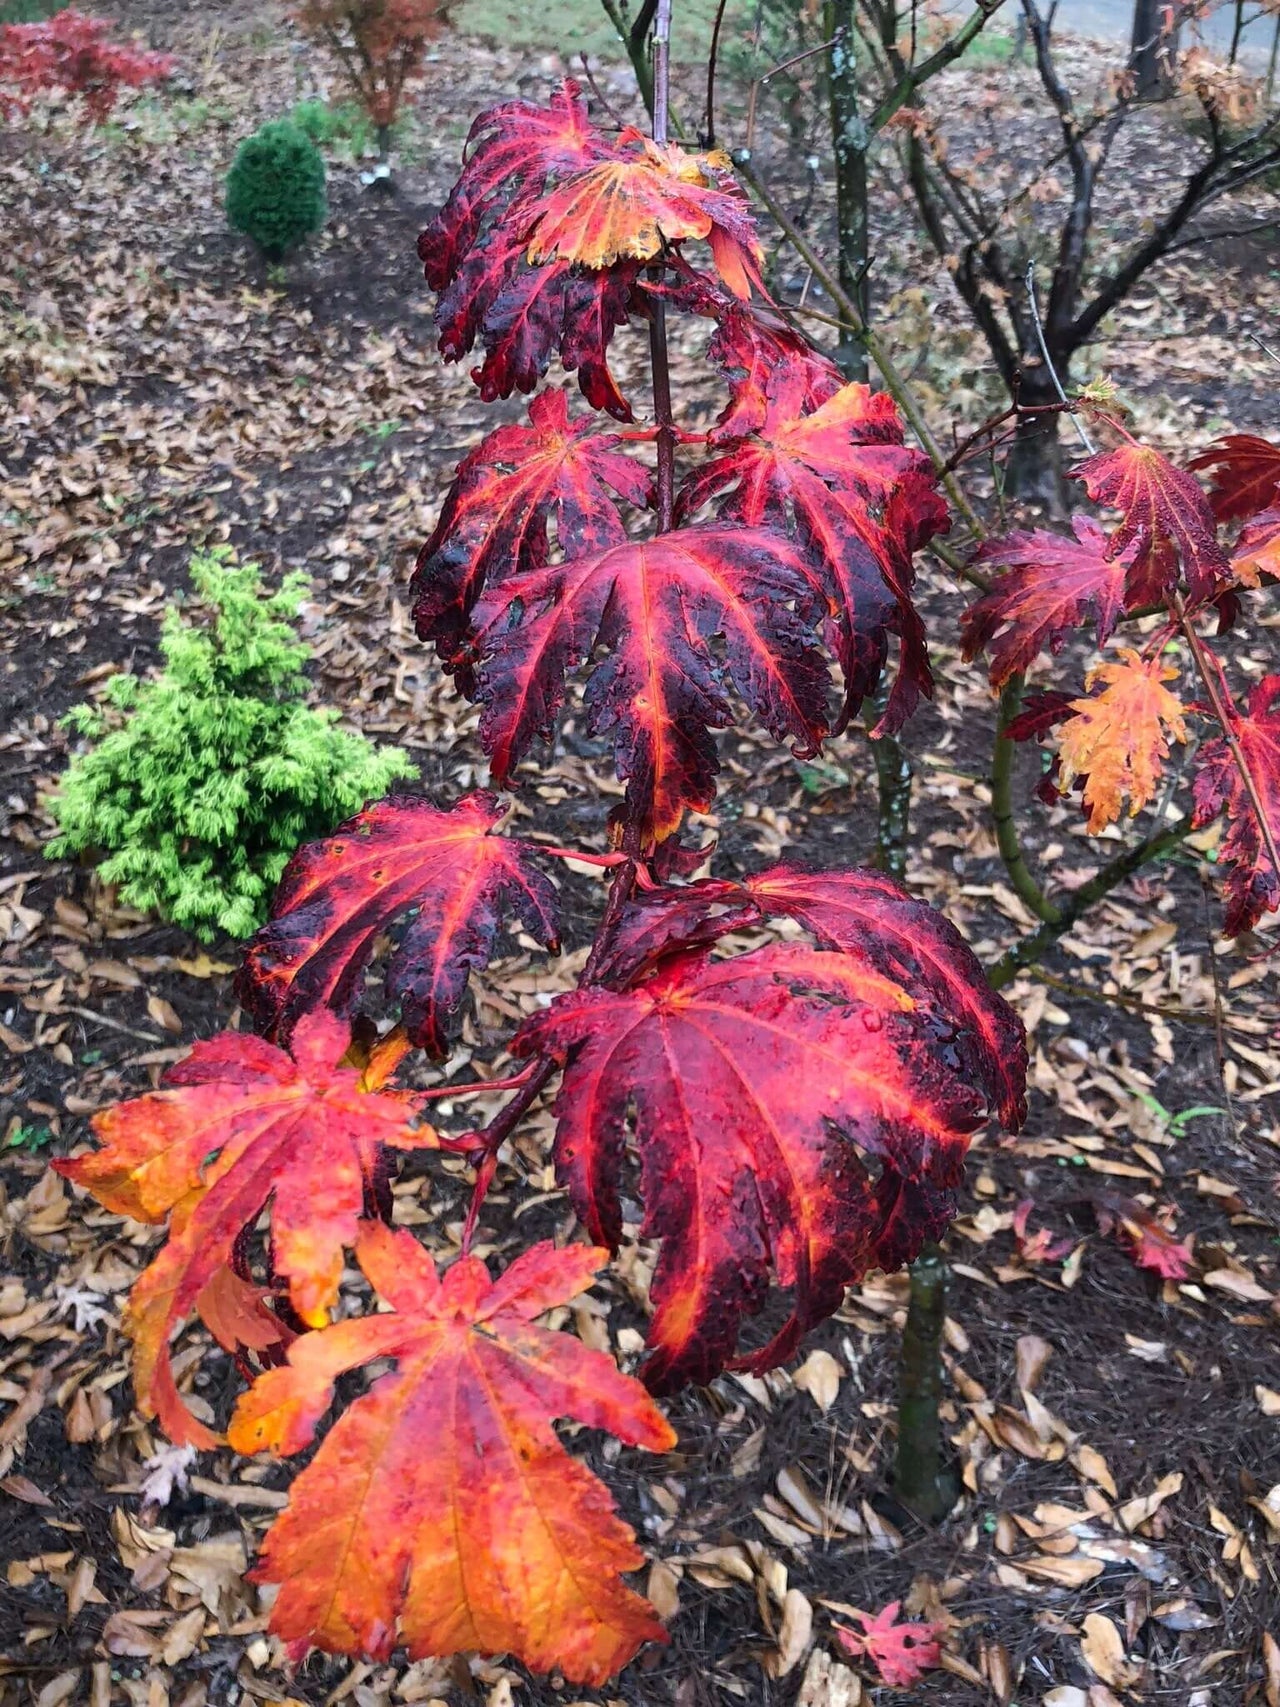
1034	306
1265	348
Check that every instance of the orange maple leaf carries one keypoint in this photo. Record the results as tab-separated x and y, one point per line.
628	208
442	1502
1116	740
239	1123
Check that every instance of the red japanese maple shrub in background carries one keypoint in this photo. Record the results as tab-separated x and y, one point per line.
377	46
75	53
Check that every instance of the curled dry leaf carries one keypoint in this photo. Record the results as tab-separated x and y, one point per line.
1033	1354
1102	1648
819	1377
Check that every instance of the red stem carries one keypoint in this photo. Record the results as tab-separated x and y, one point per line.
535	1077
607	862
478	1088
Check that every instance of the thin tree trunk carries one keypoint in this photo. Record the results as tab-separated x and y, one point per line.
920	1478
849	141
1035	471
893	818
1151	60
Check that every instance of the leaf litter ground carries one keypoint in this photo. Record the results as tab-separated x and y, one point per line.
1115	1432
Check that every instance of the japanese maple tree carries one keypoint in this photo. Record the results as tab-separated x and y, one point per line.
74	53
377	47
787	1114
1169	563
797	1113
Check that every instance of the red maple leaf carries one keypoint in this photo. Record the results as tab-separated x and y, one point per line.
441	1510
338	895
859	503
474	254
1050	585
749	345
1253	884
901	1653
1246	473
1165	515
240	1123
1257	551
751	341
511	151
656	607
1040	713
524	314
1040	1246
544	235
864	915
238	1314
1148	1240
516	483
752	1089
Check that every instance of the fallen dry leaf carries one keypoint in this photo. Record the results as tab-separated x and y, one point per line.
1102	1648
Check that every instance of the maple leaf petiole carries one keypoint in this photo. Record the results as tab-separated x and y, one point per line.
1226	716
480	1087
606	862
479	1191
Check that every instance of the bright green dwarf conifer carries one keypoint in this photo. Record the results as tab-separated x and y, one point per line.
197	784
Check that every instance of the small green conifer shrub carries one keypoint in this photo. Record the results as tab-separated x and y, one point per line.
275	188
198	784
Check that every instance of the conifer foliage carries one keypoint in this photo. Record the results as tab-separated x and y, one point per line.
197	785
275	188
797	1113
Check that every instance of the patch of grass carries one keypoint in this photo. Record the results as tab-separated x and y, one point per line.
575	27
989	47
331	125
29	11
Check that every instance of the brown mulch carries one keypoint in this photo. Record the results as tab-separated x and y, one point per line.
1115	1435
